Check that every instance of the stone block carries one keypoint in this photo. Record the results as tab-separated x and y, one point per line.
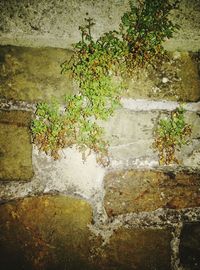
47	232
131	135
15	146
190	246
194	120
71	173
174	79
142	190
33	74
139	249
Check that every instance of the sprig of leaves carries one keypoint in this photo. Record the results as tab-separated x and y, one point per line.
171	134
49	128
144	28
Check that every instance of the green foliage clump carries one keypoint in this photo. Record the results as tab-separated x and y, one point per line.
96	66
53	129
171	134
93	66
49	128
144	28
94	59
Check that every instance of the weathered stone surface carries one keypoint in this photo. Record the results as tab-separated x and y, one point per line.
18	118
33	74
194	120
174	79
190	246
45	23
48	232
127	126
15	146
70	173
187	16
131	135
190	154
138	249
136	191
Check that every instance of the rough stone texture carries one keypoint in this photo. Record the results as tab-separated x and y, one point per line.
69	175
190	246
174	79
33	74
15	146
144	105
187	16
144	249
136	191
45	23
194	120
45	233
130	134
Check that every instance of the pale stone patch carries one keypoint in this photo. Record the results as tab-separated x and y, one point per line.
148	105
69	174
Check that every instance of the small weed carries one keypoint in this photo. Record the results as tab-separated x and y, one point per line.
171	134
49	129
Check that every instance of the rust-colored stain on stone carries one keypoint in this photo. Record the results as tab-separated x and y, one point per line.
137	191
45	232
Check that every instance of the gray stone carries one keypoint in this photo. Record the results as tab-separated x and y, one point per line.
190	246
45	23
131	135
15	146
68	175
194	120
32	75
142	190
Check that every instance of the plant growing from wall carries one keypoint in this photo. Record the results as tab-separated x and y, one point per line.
144	28
49	128
96	66
92	66
170	135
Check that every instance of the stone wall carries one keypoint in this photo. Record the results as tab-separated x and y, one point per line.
44	23
74	213
80	215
